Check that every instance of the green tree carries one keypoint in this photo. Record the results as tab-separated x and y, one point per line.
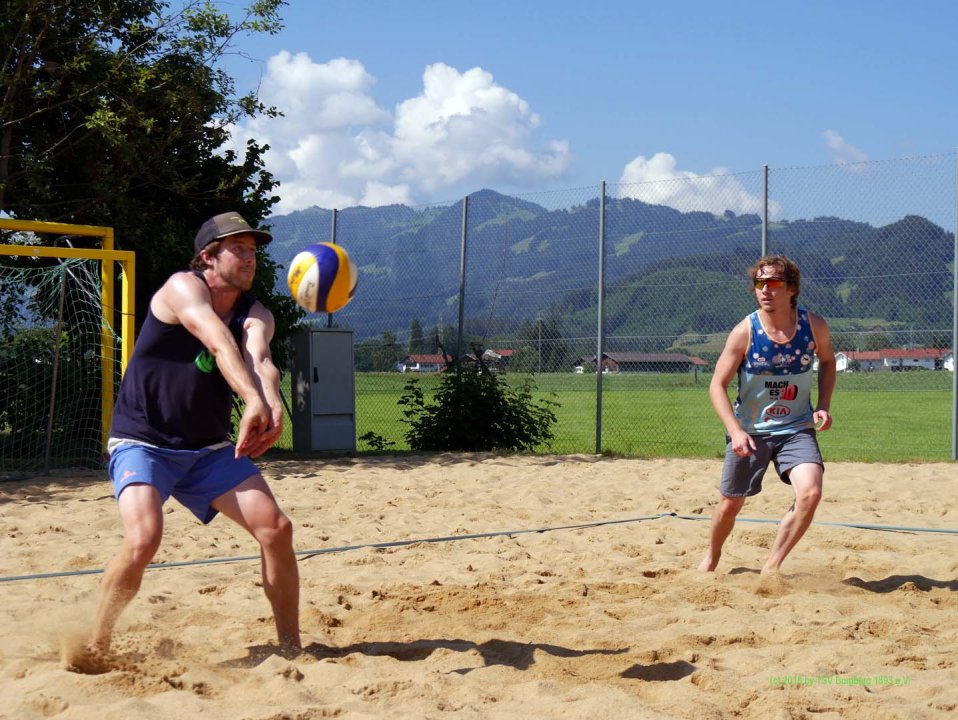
378	354
417	345
844	340
875	341
363	354
26	364
442	337
544	337
525	360
385	353
940	339
117	113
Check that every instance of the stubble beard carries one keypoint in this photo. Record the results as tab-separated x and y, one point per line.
240	280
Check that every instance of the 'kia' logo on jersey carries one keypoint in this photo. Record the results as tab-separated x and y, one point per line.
778	411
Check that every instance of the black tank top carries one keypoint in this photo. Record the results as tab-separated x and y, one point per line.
172	394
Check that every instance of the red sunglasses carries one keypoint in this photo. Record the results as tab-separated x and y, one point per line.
772	283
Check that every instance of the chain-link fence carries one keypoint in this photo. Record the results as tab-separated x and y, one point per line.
523	275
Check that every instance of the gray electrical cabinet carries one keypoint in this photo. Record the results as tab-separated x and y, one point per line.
324	391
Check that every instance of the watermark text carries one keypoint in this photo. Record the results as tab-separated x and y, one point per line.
865	680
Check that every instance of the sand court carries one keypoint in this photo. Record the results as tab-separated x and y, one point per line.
610	617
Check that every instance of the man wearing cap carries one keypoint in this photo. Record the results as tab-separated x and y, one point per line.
203	339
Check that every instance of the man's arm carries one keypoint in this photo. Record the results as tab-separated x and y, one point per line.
725	369
185	299
258	331
826	371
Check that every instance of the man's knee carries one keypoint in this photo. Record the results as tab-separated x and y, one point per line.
731	505
277	534
142	544
809	497
806	479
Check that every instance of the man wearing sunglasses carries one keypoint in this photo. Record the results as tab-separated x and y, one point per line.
772	352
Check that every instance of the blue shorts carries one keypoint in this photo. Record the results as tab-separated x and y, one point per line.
194	477
742	476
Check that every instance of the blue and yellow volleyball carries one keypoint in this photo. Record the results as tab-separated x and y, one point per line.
322	278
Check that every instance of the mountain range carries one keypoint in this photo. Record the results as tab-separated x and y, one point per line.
668	274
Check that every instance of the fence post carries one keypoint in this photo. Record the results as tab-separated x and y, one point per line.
332	236
600	318
764	210
954	329
56	369
462	277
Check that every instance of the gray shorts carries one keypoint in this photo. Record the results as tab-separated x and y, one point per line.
742	476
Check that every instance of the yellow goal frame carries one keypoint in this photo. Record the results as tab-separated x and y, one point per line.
106	256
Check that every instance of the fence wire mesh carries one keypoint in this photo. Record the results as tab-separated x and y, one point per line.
871	239
51	360
879	264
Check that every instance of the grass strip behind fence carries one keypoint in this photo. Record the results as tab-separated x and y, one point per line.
882	416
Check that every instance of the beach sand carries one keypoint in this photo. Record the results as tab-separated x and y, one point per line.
538	619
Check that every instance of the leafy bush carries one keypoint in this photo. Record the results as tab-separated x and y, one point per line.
26	376
376	441
475	410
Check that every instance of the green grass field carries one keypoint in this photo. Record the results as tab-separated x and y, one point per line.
892	417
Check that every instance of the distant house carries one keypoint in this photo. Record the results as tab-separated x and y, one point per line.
902	359
893	359
857	361
421	363
499	358
635	362
494	359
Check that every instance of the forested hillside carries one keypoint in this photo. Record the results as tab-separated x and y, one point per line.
668	274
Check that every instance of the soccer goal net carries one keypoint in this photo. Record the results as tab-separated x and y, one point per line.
61	355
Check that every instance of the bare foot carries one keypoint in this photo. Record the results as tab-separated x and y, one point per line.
289	650
87	659
708	563
771	584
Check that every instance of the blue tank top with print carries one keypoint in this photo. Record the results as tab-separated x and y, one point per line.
172	394
775	380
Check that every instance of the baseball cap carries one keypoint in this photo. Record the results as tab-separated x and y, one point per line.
224	224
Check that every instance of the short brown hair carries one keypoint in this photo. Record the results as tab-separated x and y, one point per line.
786	266
198	263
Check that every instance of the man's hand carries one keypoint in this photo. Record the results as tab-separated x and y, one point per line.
742	443
270	435
822	419
254	425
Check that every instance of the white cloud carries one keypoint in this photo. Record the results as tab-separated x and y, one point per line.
465	127
320	97
378	193
657	181
843	152
336	147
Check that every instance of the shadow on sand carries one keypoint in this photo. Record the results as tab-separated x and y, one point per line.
513	654
659	672
895	582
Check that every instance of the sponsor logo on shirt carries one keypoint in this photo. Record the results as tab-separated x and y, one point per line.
781	390
205	361
777	412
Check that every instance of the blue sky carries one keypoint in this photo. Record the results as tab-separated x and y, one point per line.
422	101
